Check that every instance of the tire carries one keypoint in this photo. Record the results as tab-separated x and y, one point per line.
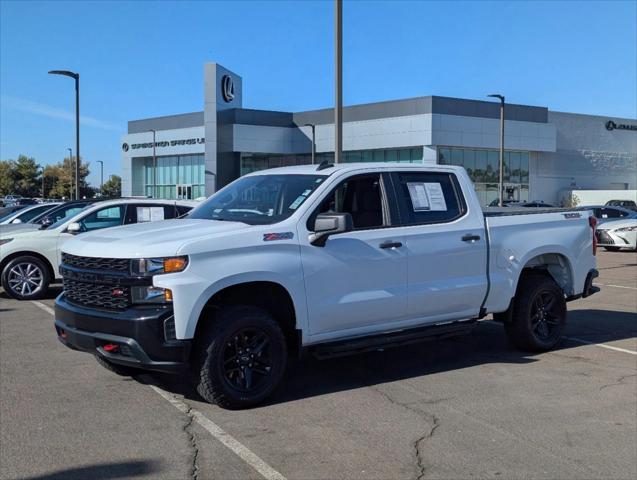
240	357
26	278
539	313
612	249
121	370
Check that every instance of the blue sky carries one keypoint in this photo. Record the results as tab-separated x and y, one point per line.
142	59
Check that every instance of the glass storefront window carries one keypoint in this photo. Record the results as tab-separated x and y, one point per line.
482	166
171	171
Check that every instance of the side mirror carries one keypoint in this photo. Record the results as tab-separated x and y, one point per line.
74	228
327	224
16	221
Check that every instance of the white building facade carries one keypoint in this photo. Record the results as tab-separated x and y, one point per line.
546	152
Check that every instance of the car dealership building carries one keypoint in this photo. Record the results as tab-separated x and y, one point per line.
546	152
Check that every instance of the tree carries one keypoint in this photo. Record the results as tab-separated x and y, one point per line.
113	187
7	177
60	179
27	176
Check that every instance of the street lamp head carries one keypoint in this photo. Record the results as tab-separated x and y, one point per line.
66	73
497	95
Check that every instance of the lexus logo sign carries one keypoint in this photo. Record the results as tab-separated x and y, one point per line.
227	88
125	147
611	125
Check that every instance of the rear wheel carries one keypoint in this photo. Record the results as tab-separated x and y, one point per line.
26	278
612	249
539	313
241	357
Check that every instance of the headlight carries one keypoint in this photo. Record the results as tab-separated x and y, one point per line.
5	240
154	266
151	295
627	229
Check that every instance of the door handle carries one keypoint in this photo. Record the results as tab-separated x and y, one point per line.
470	238
390	245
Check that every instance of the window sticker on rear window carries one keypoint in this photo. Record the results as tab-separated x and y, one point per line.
427	197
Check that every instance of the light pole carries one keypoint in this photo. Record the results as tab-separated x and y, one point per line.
101	176
500	179
75	76
338	54
154	164
71	173
313	127
42	183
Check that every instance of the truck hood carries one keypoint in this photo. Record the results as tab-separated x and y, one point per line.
154	239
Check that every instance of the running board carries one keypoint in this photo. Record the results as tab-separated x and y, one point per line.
392	339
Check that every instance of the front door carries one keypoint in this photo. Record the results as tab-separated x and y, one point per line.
184	192
358	280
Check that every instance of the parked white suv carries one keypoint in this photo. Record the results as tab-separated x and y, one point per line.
330	259
29	258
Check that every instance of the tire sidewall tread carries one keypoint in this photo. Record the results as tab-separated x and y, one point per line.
46	274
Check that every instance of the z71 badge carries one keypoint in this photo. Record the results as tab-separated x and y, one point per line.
270	237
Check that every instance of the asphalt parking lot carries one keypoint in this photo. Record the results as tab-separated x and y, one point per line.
469	407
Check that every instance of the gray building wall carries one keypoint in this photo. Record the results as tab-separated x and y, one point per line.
587	156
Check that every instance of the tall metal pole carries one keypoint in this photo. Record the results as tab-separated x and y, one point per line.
42	184
77	136
501	176
76	77
313	127
338	54
101	176
154	164
70	173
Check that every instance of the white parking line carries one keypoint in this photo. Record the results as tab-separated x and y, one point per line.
44	307
601	345
615	286
243	452
573	339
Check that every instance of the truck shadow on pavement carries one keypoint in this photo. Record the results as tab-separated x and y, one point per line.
487	343
104	471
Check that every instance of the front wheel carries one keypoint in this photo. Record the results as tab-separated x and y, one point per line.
241	357
539	314
26	278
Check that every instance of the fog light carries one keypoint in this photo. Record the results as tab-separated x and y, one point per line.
150	295
168	295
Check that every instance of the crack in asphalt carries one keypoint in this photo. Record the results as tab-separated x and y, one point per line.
429	417
188	430
619	381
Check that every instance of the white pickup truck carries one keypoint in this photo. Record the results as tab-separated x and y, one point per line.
327	259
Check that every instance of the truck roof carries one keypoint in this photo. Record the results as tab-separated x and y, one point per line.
312	169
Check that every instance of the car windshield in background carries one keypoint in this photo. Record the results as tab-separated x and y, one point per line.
61	217
259	199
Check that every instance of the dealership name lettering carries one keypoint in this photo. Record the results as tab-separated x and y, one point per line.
170	143
610	125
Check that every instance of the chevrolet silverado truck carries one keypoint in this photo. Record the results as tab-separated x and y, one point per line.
327	259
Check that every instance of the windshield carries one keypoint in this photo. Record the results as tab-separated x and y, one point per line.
61	217
259	199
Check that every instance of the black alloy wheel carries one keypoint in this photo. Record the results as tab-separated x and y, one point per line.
247	363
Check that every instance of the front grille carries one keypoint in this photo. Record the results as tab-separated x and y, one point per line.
97	263
97	295
604	238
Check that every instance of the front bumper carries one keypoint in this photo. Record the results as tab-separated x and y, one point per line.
612	238
141	336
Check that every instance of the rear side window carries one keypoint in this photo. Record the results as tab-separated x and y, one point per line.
140	213
428	197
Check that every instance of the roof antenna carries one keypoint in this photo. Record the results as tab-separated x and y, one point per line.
323	165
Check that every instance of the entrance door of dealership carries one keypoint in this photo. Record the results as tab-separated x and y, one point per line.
184	192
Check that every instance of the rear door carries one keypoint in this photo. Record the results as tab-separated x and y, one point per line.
445	244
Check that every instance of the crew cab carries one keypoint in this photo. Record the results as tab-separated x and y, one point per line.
328	259
29	257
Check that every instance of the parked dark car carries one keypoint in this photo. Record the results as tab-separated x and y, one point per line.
630	204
